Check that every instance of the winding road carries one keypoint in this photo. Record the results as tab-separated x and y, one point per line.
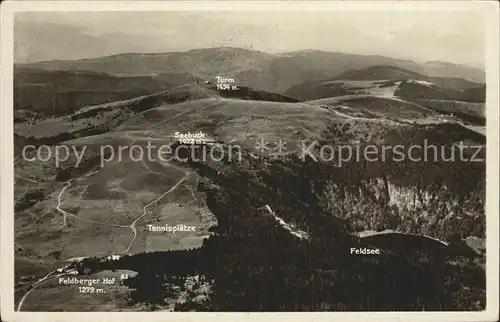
144	209
61	271
44	279
50	275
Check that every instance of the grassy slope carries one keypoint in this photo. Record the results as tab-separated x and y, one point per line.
55	93
294	189
272	72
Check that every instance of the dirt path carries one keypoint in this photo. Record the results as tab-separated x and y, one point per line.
27	179
44	279
295	232
144	209
65	213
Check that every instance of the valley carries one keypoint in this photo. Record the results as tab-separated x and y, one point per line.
272	231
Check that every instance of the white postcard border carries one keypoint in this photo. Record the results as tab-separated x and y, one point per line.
490	10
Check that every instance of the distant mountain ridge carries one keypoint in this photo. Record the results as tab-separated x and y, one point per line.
414	84
44	93
388	72
59	92
381	72
259	70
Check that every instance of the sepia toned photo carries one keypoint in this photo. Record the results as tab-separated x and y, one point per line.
255	159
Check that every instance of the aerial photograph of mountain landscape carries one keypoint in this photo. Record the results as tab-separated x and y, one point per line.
273	161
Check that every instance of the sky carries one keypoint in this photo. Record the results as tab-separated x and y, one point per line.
456	37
